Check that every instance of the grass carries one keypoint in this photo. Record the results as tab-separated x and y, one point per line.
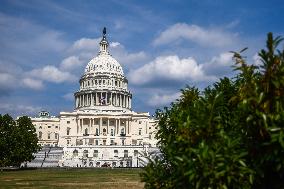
72	178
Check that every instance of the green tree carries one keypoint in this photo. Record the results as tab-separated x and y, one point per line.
18	140
228	136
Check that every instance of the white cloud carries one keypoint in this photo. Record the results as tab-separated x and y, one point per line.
32	83
170	68
69	96
86	44
52	74
18	109
158	100
202	36
70	63
7	80
114	44
86	48
219	65
257	60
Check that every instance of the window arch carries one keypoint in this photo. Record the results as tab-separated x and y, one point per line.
85	153
75	153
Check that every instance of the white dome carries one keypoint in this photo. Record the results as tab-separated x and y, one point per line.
104	63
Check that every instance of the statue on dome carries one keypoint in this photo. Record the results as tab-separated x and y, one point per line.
104	31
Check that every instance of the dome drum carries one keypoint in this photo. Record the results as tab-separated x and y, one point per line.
96	99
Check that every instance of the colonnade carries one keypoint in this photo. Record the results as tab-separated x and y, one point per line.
117	125
103	98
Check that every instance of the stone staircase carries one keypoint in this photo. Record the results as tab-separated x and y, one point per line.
46	157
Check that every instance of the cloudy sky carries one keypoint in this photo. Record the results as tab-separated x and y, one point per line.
162	46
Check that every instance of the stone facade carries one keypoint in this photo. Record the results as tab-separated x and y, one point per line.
103	130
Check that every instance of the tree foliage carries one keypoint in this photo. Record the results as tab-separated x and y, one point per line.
18	140
228	136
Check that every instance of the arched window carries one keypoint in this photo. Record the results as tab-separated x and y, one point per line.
40	135
75	153
85	153
96	153
97	132
68	130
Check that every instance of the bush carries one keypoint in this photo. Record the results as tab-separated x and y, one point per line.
228	136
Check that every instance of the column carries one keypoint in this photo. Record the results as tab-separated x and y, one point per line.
106	99
118	126
128	126
83	100
101	123
129	123
111	102
89	125
92	99
120	101
125	101
129	102
107	125
77	126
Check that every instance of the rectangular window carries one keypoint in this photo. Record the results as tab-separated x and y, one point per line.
125	153
96	153
68	122
115	153
140	131
49	126
111	132
56	135
48	136
134	142
104	142
135	152
97	142
68	130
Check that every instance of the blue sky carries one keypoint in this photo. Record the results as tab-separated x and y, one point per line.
162	46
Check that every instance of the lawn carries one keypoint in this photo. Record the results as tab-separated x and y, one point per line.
71	178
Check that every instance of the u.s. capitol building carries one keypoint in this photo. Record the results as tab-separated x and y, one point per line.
103	130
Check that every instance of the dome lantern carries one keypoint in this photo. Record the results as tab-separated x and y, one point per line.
104	43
